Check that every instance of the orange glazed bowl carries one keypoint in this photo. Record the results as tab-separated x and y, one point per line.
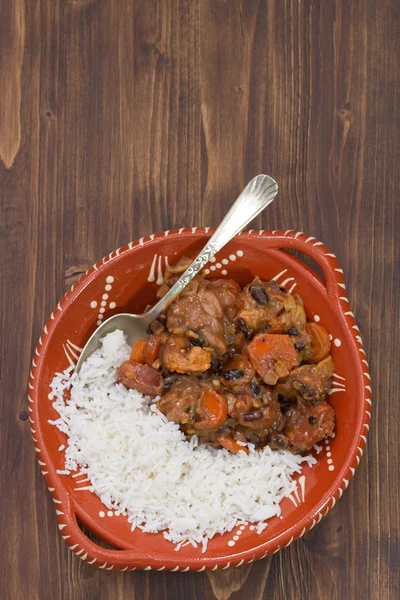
129	277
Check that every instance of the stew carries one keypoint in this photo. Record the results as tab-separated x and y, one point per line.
236	366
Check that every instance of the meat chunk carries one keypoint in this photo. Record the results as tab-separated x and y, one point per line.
194	404
226	291
254	407
308	382
319	346
201	307
180	403
307	425
237	371
178	355
140	377
265	305
272	356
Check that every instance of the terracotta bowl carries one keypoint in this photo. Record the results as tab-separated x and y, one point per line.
126	281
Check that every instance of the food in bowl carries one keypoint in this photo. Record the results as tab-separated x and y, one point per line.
234	366
127	276
162	430
143	466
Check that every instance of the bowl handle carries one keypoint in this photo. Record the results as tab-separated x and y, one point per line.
333	273
90	552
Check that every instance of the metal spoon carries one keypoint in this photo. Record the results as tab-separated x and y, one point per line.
257	194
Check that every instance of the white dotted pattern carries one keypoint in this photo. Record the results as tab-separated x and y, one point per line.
216	266
103	304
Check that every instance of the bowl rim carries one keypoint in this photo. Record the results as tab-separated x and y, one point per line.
130	559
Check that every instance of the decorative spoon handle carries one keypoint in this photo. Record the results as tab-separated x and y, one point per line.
257	194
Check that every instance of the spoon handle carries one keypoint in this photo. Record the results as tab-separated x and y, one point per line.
257	194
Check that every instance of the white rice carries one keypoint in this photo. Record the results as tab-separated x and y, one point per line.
141	465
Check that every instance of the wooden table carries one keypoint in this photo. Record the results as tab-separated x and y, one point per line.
121	118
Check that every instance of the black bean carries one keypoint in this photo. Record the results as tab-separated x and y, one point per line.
248	331
197	342
215	366
233	374
255	388
279	441
259	294
170	380
254	415
253	438
214	370
283	290
300	345
293	331
312	420
158	325
285	403
195	339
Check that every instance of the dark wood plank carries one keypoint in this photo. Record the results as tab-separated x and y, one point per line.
122	118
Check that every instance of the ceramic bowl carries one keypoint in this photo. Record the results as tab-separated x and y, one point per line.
126	280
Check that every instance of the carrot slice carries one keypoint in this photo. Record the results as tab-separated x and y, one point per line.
230	444
272	355
320	342
214	410
138	351
152	349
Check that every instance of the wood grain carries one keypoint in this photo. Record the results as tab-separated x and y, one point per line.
120	118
